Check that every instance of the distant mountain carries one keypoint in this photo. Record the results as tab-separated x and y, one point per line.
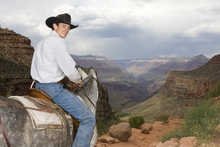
159	74
195	62
95	58
139	62
182	89
122	88
134	81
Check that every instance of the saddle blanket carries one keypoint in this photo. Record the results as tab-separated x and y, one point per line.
42	120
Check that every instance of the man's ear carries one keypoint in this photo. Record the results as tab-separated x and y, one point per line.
55	26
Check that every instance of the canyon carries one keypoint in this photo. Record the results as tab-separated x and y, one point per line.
130	82
126	85
182	89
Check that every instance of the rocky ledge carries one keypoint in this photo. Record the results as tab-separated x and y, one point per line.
193	84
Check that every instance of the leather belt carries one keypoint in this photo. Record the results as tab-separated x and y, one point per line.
64	81
60	82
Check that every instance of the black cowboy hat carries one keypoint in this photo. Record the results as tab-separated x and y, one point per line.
62	18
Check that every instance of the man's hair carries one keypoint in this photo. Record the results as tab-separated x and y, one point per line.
57	23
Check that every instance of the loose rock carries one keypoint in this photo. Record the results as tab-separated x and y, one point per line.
121	131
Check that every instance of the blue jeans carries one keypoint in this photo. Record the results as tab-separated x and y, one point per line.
72	104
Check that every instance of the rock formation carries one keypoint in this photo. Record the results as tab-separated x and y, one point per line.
137	138
121	131
135	81
15	56
182	89
104	110
159	74
122	88
183	142
15	47
193	84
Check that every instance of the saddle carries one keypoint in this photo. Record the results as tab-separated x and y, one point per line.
37	93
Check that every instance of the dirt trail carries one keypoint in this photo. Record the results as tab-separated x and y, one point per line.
139	139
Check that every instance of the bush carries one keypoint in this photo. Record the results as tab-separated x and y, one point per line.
121	114
200	122
163	118
213	92
136	121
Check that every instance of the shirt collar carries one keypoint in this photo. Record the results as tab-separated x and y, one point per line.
54	33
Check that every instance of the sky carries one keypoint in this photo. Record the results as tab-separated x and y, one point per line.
123	29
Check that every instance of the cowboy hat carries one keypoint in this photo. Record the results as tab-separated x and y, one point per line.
62	18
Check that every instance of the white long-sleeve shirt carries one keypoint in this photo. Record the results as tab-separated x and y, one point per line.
51	61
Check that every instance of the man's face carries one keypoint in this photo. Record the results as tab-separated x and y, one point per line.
62	29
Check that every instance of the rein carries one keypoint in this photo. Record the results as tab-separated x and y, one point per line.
4	134
74	87
87	97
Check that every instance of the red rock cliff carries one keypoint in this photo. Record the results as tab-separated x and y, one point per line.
15	60
194	83
15	47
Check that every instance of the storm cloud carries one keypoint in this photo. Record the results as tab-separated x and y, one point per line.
123	29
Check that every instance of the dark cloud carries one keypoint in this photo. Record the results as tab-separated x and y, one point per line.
123	29
113	30
214	10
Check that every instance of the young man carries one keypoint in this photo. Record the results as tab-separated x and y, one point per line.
50	64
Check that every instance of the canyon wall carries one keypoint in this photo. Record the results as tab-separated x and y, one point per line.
15	60
194	84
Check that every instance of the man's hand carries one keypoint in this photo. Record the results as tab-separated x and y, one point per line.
77	85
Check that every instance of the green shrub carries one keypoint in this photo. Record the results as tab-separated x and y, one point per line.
136	121
200	122
177	133
121	114
213	92
163	118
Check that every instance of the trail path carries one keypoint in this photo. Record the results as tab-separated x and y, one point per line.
139	139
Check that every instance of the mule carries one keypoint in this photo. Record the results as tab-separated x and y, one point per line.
22	129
